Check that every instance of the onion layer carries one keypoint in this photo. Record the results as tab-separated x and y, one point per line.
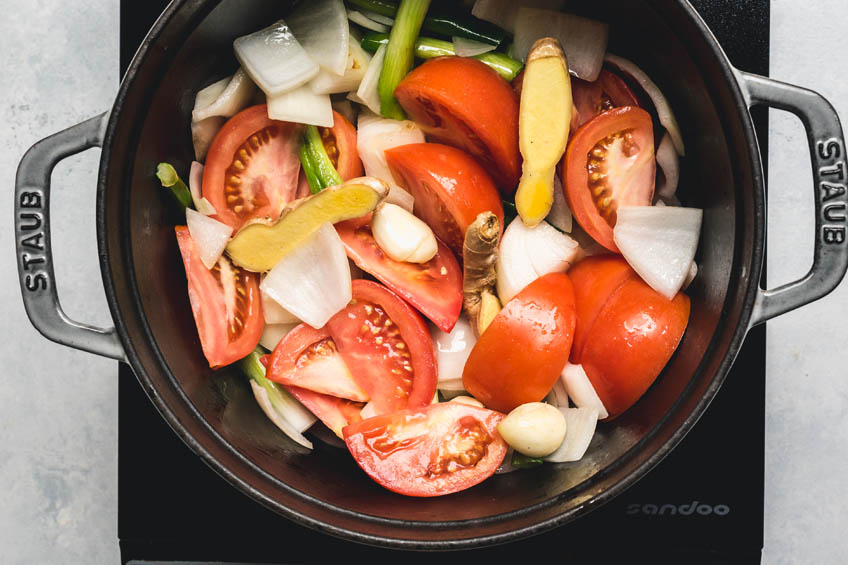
274	59
659	243
583	40
664	112
312	281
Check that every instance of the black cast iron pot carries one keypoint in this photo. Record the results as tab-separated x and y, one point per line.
214	412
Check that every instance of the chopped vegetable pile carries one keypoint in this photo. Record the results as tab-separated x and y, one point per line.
450	238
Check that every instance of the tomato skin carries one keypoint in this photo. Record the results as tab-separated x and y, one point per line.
461	102
594	281
426	463
334	412
631	335
340	144
607	92
222	344
351	330
522	353
450	188
434	288
631	187
265	164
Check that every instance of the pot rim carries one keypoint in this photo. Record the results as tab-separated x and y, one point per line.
738	335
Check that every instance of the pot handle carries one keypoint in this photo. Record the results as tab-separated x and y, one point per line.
32	241
828	152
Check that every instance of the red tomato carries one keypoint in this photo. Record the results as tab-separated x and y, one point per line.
628	330
309	359
225	303
609	163
378	341
434	288
607	92
593	283
450	188
462	102
340	144
252	167
387	347
522	353
436	450
334	412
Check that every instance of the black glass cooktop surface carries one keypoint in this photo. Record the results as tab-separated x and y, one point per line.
694	507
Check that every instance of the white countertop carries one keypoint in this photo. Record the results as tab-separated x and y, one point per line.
58	407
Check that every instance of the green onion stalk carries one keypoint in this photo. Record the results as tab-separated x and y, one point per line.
521	461
430	48
449	25
399	54
253	369
169	178
319	169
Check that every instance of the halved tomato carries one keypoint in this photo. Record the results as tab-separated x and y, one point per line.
434	288
609	163
593	284
340	144
627	330
310	359
607	92
225	303
461	102
436	450
523	351
387	347
252	167
378	339
450	188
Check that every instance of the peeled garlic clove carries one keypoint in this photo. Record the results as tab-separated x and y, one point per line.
535	429
402	236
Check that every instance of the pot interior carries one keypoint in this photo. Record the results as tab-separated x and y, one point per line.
215	411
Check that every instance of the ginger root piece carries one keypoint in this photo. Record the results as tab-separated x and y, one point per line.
479	256
544	121
259	245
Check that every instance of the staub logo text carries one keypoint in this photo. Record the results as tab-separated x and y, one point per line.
30	227
694	508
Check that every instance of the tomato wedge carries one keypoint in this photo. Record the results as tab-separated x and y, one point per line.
432	451
310	359
377	348
434	288
387	347
523	351
461	102
609	163
334	412
627	330
607	92
252	167
340	144
225	303
450	188
592	287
